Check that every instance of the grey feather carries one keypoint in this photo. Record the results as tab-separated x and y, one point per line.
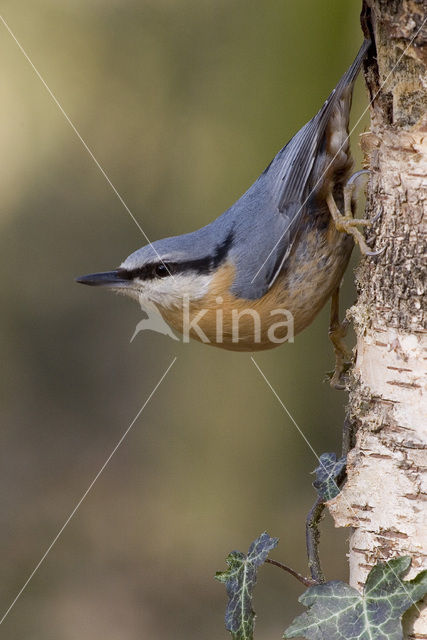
265	220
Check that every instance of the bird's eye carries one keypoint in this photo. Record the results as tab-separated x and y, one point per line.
162	270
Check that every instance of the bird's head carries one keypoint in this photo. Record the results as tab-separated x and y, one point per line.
167	271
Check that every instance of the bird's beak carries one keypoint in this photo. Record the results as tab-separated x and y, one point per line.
106	278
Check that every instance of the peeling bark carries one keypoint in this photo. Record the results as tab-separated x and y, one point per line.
383	499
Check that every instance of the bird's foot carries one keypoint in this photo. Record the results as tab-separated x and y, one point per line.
347	224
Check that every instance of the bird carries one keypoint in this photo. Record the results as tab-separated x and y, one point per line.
274	258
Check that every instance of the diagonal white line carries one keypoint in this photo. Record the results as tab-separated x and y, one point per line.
73	512
68	119
286	409
85	145
339	150
322	465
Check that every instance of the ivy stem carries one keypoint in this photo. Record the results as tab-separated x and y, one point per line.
308	582
312	537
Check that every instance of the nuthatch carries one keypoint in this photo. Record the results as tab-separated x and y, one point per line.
283	245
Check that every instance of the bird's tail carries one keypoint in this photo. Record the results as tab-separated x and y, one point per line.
351	74
344	88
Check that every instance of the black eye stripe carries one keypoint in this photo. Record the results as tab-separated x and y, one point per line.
202	266
152	271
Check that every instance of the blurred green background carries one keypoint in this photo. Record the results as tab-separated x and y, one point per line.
183	104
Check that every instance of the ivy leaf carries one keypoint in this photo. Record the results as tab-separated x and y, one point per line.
327	474
336	611
240	579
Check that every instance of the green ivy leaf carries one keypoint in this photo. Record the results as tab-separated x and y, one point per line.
327	473
240	579
336	611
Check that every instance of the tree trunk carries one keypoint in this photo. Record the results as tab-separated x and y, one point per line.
383	499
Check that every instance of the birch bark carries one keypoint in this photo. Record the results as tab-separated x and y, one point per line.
384	498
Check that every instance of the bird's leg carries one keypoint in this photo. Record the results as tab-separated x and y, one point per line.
337	333
349	191
347	223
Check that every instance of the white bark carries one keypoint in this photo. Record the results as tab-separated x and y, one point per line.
384	497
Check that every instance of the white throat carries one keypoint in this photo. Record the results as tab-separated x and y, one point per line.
169	292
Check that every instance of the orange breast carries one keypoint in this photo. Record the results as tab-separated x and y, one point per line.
221	319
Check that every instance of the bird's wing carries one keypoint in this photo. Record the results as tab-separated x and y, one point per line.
276	202
299	155
293	179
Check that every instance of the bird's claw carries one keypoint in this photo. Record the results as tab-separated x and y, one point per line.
373	254
347	224
356	176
